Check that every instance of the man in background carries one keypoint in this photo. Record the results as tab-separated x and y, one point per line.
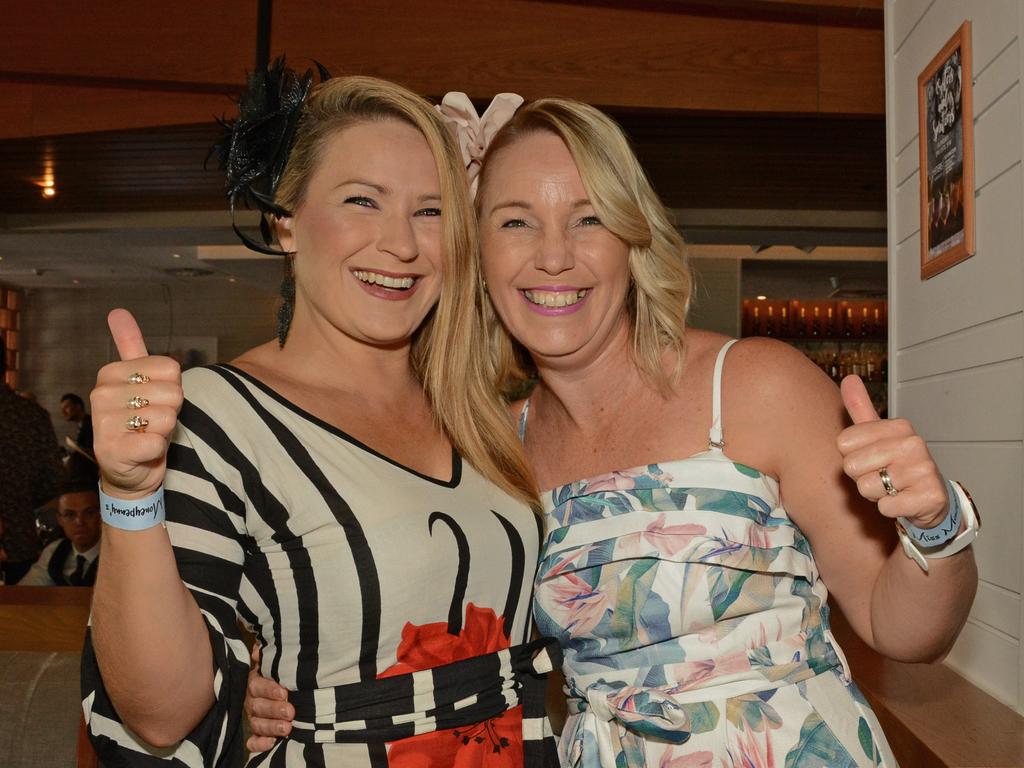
72	407
71	561
29	472
81	463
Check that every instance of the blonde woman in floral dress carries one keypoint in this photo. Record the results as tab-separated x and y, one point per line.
702	492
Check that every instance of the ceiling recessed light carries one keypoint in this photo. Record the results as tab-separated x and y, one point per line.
232	279
761	298
75	281
175	255
49	192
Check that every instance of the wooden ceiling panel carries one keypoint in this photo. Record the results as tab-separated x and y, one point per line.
46	110
852	63
188	41
614	54
15	109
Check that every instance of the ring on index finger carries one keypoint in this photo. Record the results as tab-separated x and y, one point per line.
138	378
890	489
137	423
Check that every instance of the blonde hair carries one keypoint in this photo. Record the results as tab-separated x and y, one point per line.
449	355
661	282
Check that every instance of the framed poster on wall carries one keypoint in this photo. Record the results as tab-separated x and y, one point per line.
946	139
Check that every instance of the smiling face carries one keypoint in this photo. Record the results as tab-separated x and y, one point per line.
556	276
367	236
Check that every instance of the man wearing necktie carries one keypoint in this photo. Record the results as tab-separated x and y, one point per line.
71	561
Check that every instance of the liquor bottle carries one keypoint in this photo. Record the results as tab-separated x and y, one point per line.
878	326
770	324
816	326
857	364
757	321
870	365
883	368
784	322
801	329
865	327
833	367
830	328
848	327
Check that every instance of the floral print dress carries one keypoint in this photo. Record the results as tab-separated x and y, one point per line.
694	623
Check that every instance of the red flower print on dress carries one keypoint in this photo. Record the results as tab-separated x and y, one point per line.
496	743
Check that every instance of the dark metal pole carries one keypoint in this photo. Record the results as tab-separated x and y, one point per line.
263	14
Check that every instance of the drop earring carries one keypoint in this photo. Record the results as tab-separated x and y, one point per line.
287	308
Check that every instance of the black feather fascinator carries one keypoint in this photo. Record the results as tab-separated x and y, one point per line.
256	144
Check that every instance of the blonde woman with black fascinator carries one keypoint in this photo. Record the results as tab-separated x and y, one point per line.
352	491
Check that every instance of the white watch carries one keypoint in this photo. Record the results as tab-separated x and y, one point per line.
972	520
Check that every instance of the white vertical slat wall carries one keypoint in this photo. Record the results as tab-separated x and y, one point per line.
957	357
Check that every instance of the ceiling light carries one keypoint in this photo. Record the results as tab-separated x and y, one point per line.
761	298
232	280
175	255
49	192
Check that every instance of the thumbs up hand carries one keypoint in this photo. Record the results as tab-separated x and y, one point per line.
878	450
135	407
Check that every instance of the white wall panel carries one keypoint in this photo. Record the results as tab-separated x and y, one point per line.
957	357
997	140
992	342
907	201
980	404
991	472
997	608
985	287
990	659
994	25
906	164
906	14
1001	75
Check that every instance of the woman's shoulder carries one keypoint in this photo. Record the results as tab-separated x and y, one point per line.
777	387
207	383
771	363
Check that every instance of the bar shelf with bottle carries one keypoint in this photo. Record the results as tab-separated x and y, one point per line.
840	336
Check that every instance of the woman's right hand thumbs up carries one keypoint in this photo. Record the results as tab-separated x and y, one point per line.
135	407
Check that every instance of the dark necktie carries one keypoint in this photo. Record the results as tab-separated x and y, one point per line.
76	577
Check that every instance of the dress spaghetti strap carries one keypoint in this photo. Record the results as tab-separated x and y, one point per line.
715	438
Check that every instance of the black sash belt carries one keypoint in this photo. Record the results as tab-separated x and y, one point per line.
456	695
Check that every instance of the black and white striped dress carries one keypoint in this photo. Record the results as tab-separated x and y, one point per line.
353	571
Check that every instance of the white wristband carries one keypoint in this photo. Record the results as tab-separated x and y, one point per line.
921	555
133	514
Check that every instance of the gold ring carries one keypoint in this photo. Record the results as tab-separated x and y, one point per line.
137	423
890	489
138	402
138	378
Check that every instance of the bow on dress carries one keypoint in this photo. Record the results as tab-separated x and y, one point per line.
475	132
640	711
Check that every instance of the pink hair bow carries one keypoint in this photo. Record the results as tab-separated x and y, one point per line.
474	132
